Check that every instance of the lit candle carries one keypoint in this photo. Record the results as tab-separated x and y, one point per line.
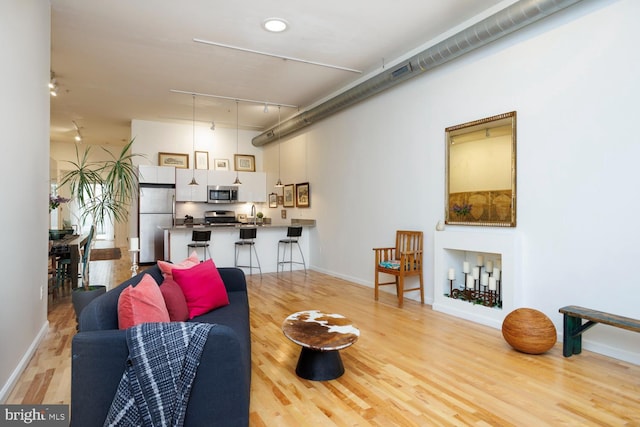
496	273
452	274
476	273
479	260
134	244
485	279
465	267
488	266
492	283
470	282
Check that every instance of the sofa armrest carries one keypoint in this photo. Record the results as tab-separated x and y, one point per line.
220	390
234	279
98	360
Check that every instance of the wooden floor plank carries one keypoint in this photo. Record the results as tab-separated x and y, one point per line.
410	366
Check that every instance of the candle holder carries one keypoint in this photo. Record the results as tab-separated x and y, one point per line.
479	294
134	261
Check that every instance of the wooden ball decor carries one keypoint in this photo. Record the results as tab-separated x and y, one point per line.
529	331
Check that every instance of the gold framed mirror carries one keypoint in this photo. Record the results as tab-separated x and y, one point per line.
481	172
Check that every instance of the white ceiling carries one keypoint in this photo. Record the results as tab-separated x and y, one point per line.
118	60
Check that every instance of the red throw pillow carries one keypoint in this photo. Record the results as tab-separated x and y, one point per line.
203	288
141	304
167	267
175	301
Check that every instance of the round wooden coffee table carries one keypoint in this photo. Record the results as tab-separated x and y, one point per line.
321	336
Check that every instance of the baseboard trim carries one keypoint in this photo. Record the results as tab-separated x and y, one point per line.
7	388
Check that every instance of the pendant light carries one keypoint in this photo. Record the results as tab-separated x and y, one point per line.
279	183
237	181
193	176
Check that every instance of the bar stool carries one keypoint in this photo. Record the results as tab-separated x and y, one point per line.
246	239
200	239
292	238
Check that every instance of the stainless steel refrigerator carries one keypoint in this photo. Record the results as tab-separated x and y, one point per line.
156	212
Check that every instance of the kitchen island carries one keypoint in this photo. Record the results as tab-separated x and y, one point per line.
222	244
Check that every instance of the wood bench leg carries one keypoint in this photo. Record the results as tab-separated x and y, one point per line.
572	343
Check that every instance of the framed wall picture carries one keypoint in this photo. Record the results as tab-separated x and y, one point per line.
202	159
221	164
303	197
288	200
178	160
244	163
273	200
280	200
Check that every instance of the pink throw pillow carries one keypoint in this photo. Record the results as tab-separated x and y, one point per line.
167	267
203	288
142	303
175	301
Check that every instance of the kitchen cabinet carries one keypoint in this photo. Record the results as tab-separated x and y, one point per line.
148	174
221	177
191	193
253	188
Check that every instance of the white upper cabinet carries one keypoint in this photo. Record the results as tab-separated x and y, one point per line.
148	174
253	188
191	193
221	177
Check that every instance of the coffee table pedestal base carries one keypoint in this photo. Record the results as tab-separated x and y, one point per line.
319	365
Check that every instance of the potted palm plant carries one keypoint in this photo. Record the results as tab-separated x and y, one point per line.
104	191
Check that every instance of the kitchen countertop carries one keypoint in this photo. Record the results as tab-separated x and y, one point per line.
294	222
223	238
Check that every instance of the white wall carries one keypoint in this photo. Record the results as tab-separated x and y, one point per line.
154	137
24	116
573	80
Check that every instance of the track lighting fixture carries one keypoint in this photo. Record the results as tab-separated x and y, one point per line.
252	101
78	136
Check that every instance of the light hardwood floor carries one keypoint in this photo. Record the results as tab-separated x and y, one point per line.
410	367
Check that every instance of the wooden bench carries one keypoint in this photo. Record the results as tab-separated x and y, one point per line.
573	326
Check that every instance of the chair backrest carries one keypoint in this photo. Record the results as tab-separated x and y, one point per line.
408	241
201	235
248	233
294	231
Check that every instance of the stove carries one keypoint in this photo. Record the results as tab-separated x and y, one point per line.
220	217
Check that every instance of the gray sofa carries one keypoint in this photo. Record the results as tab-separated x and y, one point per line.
220	393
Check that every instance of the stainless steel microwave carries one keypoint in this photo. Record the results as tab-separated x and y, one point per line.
222	194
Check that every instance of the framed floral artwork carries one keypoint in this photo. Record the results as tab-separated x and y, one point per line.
303	197
273	200
288	192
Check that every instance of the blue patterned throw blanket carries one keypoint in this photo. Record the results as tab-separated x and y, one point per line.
155	387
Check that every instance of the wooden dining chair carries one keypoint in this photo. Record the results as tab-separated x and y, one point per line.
403	260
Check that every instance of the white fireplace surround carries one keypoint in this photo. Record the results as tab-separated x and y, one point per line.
451	248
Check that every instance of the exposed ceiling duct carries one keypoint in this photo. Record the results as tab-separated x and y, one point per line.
502	23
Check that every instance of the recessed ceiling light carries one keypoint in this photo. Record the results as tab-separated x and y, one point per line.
275	25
